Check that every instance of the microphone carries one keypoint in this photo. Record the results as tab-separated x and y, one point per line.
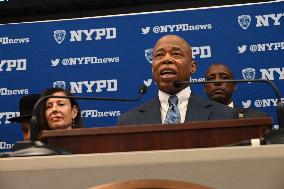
35	130
279	106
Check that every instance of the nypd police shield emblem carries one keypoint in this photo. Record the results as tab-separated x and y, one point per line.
244	21
248	73
59	36
59	84
149	55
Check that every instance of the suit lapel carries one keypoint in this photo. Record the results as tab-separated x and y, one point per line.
197	109
151	112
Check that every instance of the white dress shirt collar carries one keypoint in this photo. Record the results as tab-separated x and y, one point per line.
231	105
183	97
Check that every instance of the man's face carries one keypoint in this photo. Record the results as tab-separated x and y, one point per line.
172	60
220	92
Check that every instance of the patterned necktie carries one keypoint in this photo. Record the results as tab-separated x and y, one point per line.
173	115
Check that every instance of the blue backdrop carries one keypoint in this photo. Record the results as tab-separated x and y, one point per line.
111	57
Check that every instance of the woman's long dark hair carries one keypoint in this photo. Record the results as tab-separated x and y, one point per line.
40	112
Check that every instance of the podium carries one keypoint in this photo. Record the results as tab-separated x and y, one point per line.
156	136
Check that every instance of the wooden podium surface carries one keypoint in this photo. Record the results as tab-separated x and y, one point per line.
157	137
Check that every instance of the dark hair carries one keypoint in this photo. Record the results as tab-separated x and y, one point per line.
40	112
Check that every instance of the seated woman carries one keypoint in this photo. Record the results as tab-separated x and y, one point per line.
58	113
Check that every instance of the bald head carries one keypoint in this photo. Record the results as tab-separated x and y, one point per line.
174	39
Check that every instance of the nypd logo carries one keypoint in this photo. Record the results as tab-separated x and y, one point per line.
262	47
59	36
270	73
83	61
201	52
10	65
149	55
265	20
59	84
97	86
175	28
9	41
85	35
248	73
269	19
244	21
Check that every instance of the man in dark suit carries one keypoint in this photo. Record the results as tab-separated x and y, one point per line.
222	92
172	60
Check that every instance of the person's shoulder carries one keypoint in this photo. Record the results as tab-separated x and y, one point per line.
210	103
219	111
197	99
143	107
222	107
134	113
224	111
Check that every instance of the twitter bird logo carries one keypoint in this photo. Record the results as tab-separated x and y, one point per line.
54	62
148	82
242	49
145	30
246	104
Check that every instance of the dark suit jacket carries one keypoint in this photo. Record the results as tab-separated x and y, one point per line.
198	109
249	113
